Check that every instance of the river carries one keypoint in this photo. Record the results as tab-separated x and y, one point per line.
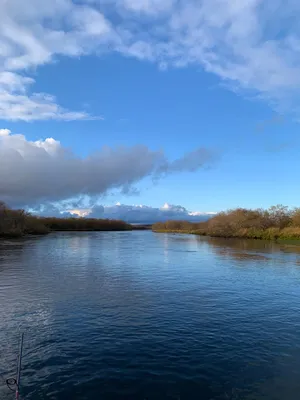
139	315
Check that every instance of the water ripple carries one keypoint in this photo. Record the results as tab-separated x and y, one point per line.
136	315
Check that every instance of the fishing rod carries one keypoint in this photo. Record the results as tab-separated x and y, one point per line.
14	383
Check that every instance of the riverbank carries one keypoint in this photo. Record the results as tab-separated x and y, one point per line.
41	226
18	223
146	227
285	234
276	223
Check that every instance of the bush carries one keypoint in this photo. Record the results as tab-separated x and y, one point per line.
16	223
276	222
84	224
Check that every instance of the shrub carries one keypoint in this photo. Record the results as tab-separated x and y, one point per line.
276	222
15	223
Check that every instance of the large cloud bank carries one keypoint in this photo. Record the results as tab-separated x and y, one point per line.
32	173
251	45
145	214
136	214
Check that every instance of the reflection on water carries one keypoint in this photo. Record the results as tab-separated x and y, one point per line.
138	315
166	248
241	244
251	249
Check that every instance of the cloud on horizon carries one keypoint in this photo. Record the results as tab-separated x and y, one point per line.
33	173
252	46
130	213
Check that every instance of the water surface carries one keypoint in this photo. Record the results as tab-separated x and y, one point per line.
139	315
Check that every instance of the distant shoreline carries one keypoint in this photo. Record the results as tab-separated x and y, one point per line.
276	223
45	231
278	238
18	223
197	233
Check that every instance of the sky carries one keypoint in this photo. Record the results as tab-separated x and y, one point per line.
181	106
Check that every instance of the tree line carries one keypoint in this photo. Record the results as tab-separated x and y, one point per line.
16	223
276	222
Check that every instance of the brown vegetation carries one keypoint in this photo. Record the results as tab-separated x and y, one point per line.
276	222
145	227
16	223
84	224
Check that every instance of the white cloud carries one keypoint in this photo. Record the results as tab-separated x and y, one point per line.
129	213
247	43
5	132
148	6
90	22
251	45
145	214
43	171
32	34
38	106
14	82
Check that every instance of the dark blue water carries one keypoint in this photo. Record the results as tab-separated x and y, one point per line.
137	315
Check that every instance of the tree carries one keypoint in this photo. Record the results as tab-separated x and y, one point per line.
295	216
280	216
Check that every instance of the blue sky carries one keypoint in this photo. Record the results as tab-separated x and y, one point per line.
176	77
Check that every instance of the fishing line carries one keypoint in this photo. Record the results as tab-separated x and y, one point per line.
13	384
